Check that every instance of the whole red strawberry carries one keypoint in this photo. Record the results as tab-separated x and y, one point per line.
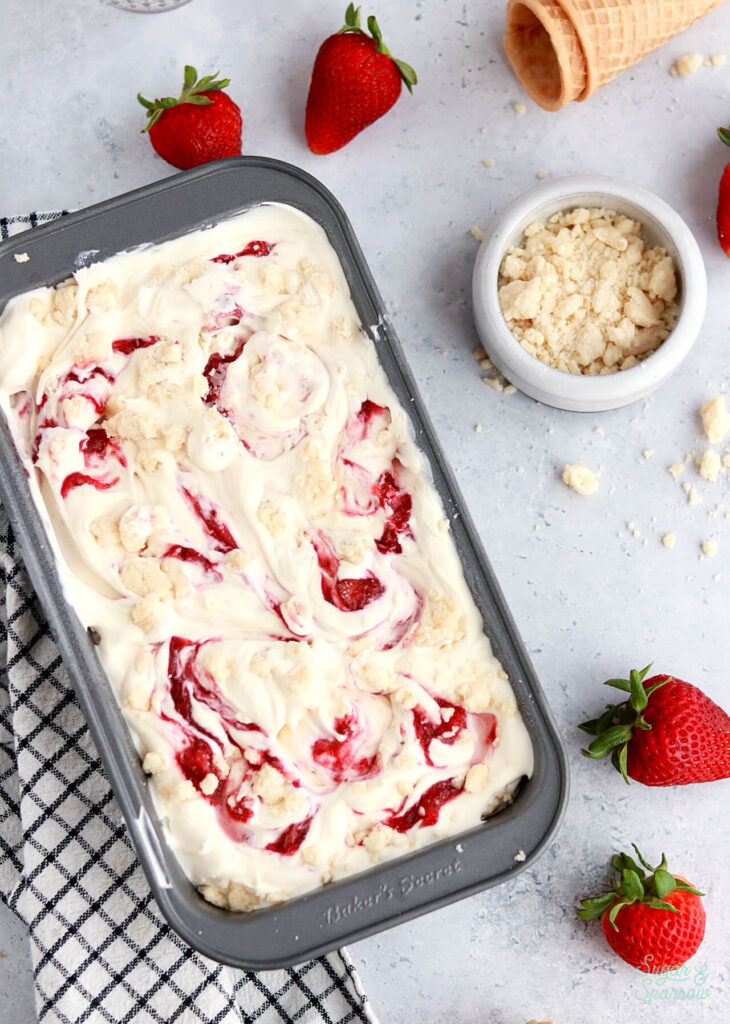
723	199
655	922
668	732
354	82
203	124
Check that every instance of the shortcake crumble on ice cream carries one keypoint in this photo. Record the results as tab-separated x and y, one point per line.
239	511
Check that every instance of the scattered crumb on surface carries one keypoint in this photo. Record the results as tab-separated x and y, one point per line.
709	547
718	59
647	453
686	65
443	351
581	479
520	109
676	469
693	497
669	540
21	257
459	848
598	430
477	233
520	856
715	419
494	382
708	465
479	353
489	162
510	389
477	428
542	174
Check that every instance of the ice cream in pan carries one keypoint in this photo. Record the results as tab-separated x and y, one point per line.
240	514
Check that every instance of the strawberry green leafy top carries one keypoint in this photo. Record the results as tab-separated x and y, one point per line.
192	92
633	885
615	727
352	24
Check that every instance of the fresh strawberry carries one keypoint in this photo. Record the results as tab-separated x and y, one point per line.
723	199
668	733
203	124
354	82
654	922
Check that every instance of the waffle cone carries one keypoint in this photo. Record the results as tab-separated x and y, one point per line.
564	50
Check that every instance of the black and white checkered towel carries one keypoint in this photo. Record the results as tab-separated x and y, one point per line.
101	950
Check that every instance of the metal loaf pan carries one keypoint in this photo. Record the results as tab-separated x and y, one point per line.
389	893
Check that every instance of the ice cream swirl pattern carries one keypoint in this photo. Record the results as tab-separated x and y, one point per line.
239	510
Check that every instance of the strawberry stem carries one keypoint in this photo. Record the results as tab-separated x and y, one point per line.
724	134
192	91
377	35
352	20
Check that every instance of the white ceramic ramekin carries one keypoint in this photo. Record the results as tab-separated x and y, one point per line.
662	226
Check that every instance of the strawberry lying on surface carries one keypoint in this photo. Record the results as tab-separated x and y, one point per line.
667	733
654	921
201	125
723	199
354	82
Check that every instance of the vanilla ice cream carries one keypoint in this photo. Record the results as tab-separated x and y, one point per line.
238	510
